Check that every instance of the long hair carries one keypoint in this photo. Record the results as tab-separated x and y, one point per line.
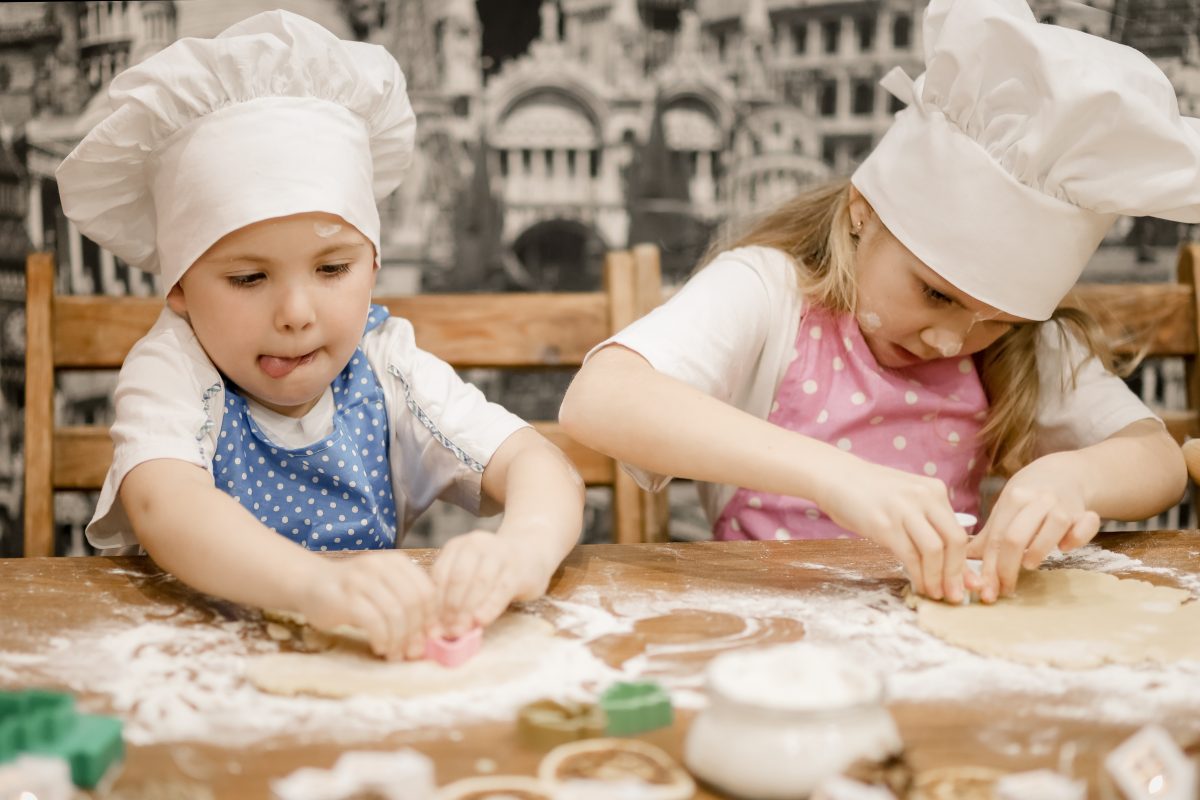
814	229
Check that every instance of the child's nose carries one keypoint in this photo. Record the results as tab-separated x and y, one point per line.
946	342
295	310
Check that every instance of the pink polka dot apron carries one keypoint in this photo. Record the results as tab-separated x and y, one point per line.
924	419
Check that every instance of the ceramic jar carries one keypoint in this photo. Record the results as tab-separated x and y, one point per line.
782	719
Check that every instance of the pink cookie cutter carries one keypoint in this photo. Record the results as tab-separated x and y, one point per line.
452	652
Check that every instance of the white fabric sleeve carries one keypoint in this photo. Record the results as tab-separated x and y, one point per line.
444	431
1089	410
711	334
169	401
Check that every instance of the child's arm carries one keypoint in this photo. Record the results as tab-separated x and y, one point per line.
205	538
620	405
479	573
1058	500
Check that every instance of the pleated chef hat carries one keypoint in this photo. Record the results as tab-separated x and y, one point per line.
1020	146
275	116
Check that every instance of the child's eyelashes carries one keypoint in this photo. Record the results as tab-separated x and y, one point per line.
255	278
245	281
334	270
936	296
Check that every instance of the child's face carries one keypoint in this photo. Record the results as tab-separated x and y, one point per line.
907	312
280	305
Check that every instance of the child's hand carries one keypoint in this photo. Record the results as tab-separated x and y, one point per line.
911	516
1040	508
476	576
383	594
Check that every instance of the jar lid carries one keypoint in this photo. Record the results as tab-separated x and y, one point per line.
798	677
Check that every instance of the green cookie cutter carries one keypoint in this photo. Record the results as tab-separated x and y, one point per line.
635	707
45	723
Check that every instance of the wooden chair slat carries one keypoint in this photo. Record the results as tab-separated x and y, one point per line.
594	468
518	330
81	456
1156	319
79	321
39	406
1181	424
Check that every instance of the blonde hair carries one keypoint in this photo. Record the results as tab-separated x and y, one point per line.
814	229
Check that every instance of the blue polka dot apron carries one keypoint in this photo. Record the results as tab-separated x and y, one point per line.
334	494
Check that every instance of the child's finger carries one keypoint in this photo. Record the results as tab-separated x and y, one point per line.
931	550
904	551
443	572
1054	527
415	601
458	584
1084	529
493	605
488	579
954	561
988	544
369	616
392	598
1017	536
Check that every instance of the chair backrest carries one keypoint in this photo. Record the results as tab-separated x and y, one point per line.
1154	320
504	331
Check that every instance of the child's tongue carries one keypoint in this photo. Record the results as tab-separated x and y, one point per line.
278	367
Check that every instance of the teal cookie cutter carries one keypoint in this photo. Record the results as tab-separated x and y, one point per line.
45	723
635	707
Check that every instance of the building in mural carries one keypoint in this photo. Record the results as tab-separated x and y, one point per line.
664	119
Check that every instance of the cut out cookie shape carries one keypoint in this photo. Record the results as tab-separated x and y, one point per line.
607	767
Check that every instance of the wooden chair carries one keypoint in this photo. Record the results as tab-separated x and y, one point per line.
547	330
1154	320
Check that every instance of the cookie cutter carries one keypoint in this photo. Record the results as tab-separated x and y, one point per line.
452	652
969	521
44	723
614	769
544	724
1150	765
636	706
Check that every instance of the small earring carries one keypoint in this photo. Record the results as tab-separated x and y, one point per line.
857	230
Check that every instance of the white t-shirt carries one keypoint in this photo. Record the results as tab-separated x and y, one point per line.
170	400
731	330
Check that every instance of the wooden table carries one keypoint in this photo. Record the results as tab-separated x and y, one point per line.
42	601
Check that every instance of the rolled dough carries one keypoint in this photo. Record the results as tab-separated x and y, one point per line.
511	647
1073	618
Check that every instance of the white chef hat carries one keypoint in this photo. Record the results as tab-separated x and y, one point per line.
1020	146
275	116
